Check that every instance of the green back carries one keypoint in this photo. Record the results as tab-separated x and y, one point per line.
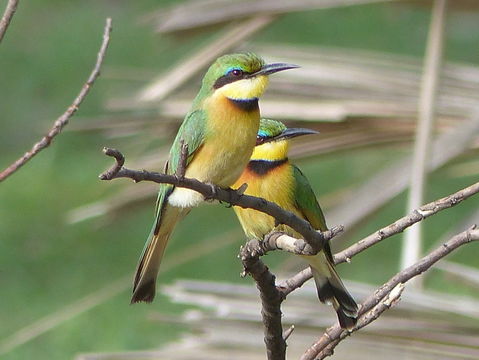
308	205
306	201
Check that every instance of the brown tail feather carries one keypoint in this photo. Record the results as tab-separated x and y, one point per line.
144	286
331	290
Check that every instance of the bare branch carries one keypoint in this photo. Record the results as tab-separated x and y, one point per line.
271	299
271	295
65	117
396	227
415	216
280	241
369	311
315	239
119	162
7	17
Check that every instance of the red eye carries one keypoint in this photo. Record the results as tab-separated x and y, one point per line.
259	140
237	72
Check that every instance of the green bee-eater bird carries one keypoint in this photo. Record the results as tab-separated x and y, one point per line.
270	175
220	132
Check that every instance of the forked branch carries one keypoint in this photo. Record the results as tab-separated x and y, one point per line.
396	227
386	295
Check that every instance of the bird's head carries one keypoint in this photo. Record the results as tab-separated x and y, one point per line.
240	76
272	140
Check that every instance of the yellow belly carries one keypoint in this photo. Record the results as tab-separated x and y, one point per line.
276	186
229	142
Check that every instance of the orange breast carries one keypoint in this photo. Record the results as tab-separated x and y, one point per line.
229	142
276	186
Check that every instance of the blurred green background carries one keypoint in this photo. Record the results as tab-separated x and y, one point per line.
51	272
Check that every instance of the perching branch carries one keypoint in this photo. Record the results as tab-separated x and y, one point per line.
65	117
277	240
271	299
7	17
271	295
395	228
315	239
384	297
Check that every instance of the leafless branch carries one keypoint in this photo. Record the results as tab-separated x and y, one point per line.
287	333
314	238
325	345
65	117
7	17
395	228
271	295
271	299
280	241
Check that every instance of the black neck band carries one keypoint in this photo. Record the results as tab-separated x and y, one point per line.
246	104
262	167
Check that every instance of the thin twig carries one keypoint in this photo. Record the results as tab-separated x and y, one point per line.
333	335
65	117
396	227
287	333
7	17
314	238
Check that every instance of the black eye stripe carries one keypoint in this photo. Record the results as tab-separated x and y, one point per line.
261	140
229	78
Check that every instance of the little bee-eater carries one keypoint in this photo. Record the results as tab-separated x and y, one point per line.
270	175
220	132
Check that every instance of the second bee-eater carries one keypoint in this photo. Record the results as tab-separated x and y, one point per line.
270	175
220	132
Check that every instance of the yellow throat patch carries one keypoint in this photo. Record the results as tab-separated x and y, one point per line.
244	89
271	151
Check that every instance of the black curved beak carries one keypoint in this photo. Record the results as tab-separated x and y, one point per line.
293	132
273	68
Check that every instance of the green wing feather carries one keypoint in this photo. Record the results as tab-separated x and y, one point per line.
192	132
328	283
306	201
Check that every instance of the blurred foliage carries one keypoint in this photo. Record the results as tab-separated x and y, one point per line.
48	264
